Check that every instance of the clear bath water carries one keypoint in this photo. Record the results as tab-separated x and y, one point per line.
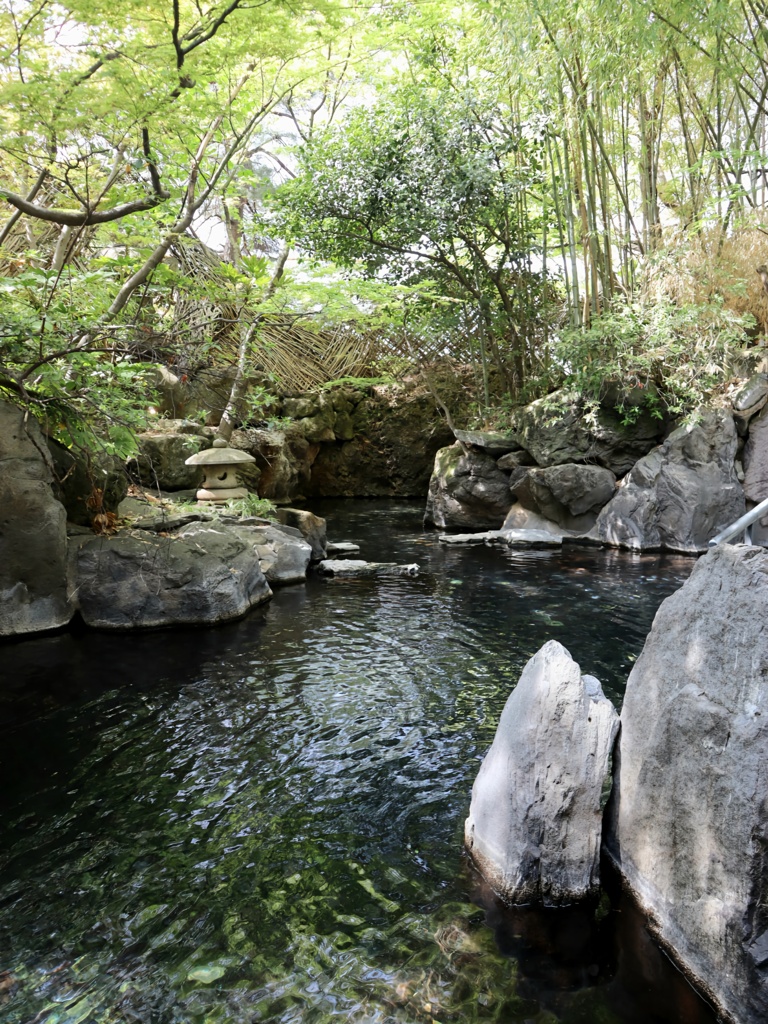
263	821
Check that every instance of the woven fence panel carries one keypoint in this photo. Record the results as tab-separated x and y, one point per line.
302	358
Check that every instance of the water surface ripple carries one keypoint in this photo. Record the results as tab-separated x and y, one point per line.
262	822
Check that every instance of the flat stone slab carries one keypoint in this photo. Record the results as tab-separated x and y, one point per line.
342	547
532	538
358	567
490	441
464	539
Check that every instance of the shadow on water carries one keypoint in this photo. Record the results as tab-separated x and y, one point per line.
263	821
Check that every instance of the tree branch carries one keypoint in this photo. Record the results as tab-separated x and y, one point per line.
75	218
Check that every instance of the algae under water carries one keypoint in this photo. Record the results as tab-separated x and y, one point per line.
263	822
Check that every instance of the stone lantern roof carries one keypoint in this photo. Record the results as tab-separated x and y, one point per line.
219	455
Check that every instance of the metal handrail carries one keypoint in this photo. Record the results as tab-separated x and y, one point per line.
743	525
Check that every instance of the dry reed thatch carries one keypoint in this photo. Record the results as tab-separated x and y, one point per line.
707	268
302	356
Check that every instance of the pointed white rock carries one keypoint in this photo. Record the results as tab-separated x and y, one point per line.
535	822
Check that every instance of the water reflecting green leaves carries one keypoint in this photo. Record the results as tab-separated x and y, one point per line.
263	822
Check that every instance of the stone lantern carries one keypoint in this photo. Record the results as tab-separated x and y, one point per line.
220	464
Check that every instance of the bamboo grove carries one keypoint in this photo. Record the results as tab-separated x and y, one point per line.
548	190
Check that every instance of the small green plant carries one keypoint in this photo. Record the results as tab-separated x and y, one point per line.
252	505
360	383
672	357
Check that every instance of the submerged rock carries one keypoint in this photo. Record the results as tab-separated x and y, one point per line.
358	567
33	531
205	574
682	494
534	825
689	814
467	491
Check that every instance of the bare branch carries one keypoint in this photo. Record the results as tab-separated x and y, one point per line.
17	216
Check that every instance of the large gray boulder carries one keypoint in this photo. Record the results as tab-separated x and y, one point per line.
749	400
33	537
87	483
283	552
689	814
467	491
534	825
312	528
161	460
556	430
756	459
681	494
202	575
569	495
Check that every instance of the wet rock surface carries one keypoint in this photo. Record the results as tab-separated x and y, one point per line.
535	821
689	813
33	539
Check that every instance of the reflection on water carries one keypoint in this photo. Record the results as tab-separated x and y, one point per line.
262	822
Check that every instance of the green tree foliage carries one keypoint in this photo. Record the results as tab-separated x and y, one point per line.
125	126
489	172
433	183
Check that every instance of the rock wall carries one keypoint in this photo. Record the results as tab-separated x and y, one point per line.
682	494
689	813
676	497
559	429
371	441
33	540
